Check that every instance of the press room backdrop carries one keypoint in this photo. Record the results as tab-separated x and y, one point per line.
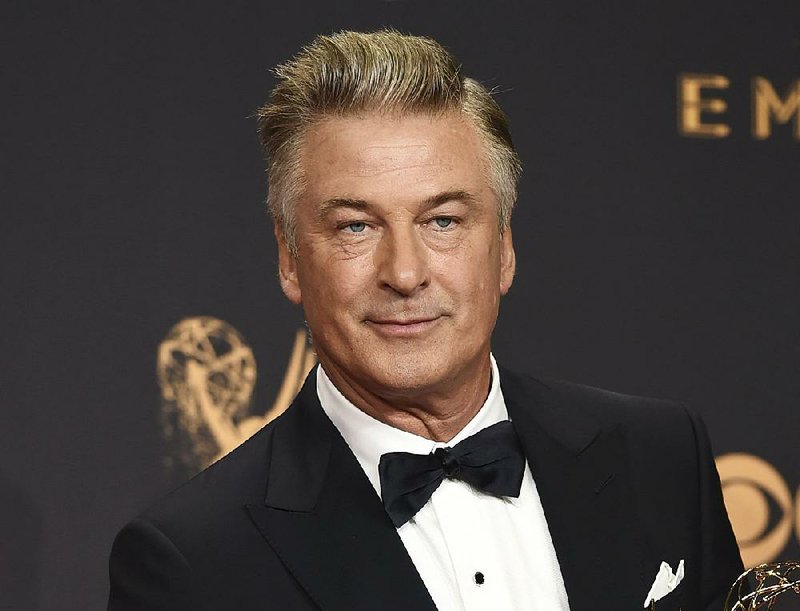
144	332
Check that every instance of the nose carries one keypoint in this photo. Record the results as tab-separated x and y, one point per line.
402	261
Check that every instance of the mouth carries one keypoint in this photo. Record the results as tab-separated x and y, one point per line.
403	327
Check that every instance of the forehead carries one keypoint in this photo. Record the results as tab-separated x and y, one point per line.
411	154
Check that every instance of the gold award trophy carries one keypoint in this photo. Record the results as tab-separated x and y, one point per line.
771	581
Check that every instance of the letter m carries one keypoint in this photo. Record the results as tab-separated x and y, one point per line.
768	105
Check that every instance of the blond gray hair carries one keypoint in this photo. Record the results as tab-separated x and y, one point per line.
350	73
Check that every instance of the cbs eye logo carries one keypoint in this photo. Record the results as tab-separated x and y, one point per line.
760	506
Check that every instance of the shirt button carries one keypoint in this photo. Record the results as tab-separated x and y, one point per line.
479	578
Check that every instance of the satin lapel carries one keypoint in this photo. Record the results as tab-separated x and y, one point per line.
582	476
325	521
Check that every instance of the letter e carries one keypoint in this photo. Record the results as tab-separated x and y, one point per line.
692	105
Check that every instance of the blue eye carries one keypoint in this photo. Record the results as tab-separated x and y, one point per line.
356	227
443	222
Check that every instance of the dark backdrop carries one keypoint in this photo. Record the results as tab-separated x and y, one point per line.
651	260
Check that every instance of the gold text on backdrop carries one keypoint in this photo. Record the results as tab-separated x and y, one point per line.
702	105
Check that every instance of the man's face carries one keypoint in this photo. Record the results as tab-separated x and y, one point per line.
400	264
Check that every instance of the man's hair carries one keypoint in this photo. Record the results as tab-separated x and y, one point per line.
350	73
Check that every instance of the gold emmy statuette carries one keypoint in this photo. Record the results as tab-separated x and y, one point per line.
207	373
771	582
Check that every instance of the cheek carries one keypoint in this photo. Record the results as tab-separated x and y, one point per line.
483	285
331	285
471	280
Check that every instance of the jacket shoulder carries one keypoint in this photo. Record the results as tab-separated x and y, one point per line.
238	478
605	408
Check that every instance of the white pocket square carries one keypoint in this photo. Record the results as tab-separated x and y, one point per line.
665	582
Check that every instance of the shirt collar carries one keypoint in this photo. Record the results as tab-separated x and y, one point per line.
369	438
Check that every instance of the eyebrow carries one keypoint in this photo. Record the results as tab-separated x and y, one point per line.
336	203
430	203
449	196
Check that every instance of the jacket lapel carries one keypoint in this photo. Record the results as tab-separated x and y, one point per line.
324	520
582	476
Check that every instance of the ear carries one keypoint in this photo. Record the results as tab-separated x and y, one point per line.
508	261
287	269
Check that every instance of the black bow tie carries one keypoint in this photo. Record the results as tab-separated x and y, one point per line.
491	461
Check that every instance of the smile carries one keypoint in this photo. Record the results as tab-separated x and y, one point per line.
403	328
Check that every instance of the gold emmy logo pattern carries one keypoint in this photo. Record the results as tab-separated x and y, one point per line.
207	373
750	485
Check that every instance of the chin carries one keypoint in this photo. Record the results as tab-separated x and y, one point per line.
406	374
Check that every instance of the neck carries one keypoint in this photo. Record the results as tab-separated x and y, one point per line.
434	413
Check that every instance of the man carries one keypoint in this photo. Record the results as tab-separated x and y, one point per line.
395	480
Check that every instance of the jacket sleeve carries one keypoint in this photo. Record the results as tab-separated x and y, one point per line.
720	557
147	571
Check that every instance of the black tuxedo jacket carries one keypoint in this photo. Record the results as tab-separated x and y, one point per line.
289	520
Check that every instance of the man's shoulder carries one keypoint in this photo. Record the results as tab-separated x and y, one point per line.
235	480
195	540
221	493
659	435
606	408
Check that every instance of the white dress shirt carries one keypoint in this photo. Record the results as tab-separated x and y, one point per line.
472	550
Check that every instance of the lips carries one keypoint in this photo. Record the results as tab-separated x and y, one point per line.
403	327
402	321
